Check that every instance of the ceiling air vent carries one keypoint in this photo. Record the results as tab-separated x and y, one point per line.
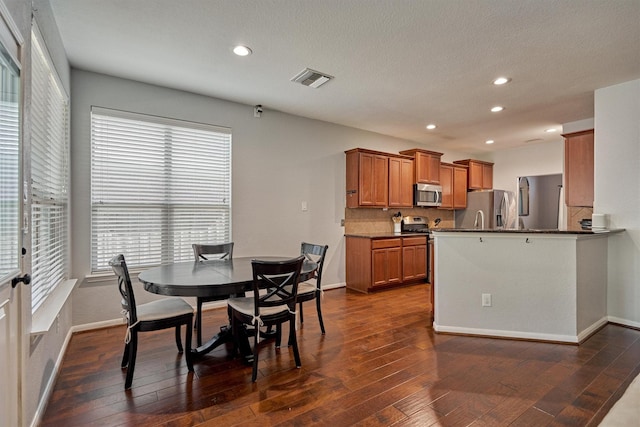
311	78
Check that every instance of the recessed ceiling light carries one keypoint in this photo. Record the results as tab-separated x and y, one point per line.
489	141
501	80
497	109
242	50
431	126
550	130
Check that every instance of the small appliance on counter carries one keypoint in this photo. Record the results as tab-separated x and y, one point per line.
585	223
415	224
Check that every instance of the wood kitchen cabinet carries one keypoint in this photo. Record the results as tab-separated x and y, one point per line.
414	258
386	257
427	165
378	263
578	168
479	175
453	179
367	178
400	182
379	180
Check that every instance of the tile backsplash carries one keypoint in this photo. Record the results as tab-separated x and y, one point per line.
372	220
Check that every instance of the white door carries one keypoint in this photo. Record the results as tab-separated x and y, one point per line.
11	206
9	354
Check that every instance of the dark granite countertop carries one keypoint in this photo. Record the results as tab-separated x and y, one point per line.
387	235
528	231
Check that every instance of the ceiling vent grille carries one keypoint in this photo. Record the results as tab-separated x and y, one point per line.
311	78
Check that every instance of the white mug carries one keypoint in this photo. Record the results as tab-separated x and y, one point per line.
599	221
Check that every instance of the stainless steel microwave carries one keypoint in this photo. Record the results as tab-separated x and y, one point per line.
427	195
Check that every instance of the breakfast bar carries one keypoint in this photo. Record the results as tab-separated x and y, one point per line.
546	285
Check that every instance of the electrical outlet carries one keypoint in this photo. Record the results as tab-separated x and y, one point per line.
486	300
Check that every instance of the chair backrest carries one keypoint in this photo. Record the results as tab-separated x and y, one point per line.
280	279
217	251
119	267
315	253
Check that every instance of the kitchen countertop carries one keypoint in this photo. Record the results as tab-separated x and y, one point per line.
527	231
384	235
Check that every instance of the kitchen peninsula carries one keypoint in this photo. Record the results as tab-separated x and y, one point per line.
546	285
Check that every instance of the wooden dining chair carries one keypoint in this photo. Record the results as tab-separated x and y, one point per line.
161	314
273	308
312	289
205	252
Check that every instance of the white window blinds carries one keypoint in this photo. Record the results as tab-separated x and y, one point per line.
9	164
49	176
157	186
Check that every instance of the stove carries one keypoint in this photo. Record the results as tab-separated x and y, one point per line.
415	224
419	224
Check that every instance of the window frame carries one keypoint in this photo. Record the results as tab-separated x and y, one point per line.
168	166
50	175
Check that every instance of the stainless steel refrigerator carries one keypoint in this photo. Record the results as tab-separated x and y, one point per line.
497	207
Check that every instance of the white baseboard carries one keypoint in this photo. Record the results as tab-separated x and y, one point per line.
97	325
592	329
528	335
624	322
496	333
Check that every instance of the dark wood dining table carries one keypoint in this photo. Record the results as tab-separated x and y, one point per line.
212	278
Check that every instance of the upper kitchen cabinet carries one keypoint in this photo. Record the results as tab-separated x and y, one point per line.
578	168
400	182
379	180
427	165
479	174
453	179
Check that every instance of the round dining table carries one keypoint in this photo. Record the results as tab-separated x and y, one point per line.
212	278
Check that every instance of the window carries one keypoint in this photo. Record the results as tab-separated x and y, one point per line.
49	176
9	164
158	185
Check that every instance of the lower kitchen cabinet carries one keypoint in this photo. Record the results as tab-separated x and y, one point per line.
382	262
414	258
386	258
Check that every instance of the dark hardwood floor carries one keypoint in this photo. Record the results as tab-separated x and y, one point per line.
379	364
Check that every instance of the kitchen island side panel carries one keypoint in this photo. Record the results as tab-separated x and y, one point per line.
358	263
591	285
531	280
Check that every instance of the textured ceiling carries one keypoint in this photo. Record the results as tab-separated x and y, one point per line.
398	64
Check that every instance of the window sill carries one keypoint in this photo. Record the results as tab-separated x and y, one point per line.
46	314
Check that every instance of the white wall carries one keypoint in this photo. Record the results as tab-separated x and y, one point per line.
279	161
617	193
535	159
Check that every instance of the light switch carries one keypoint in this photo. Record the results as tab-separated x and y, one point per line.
304	207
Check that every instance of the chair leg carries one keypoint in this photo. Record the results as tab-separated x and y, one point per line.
319	309
125	356
254	374
179	340
301	315
188	353
234	334
133	349
294	341
278	334
198	322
